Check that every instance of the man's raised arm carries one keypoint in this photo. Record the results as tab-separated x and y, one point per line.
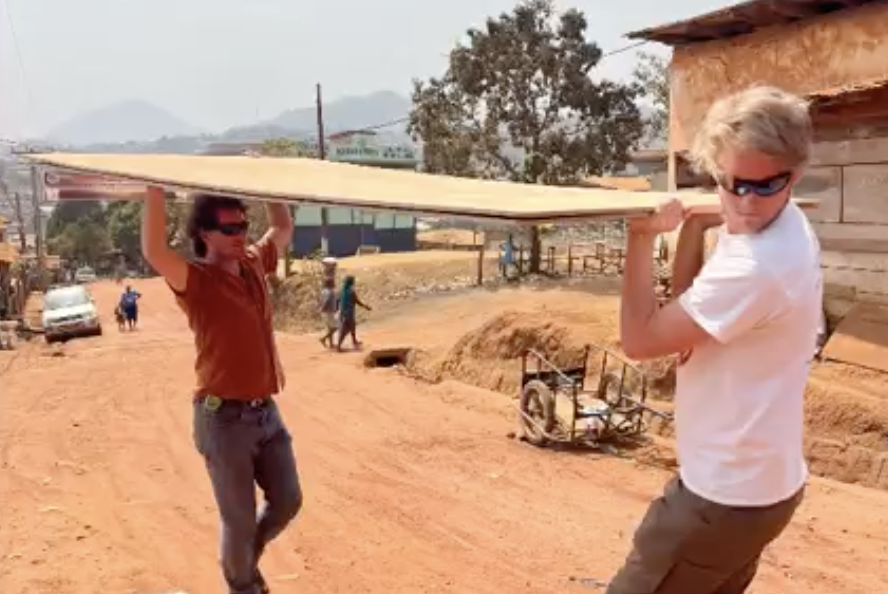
280	226
164	260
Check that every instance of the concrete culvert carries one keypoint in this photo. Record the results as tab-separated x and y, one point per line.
387	357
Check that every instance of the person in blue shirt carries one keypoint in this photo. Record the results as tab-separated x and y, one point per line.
129	305
507	256
348	301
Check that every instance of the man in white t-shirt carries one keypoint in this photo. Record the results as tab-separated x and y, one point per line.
744	325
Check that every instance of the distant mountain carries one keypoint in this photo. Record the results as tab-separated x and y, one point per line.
127	121
346	113
139	127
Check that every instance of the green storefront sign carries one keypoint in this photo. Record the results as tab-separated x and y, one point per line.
361	150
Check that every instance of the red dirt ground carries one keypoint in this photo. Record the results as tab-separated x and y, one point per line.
410	487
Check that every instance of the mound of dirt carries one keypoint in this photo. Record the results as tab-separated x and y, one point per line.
846	407
489	356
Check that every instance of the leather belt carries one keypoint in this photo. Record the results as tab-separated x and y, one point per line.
214	403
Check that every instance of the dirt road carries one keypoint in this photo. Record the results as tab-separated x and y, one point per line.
410	488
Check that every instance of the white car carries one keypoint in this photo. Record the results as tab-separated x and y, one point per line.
85	275
69	312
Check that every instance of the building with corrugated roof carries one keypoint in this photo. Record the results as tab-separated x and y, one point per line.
835	53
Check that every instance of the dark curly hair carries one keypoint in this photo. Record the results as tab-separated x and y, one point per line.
205	217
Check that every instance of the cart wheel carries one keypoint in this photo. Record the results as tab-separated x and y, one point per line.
537	403
627	418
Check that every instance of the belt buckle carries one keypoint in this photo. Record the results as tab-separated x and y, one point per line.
212	403
256	403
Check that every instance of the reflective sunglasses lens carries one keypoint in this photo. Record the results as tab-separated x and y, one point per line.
233	229
764	188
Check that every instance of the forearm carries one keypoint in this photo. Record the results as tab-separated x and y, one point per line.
688	256
154	223
638	302
280	223
162	258
279	216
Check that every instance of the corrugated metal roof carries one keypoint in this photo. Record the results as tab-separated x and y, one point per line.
827	95
741	19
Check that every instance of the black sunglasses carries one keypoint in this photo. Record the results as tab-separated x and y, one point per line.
763	188
231	229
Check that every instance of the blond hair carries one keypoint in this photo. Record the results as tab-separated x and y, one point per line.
762	119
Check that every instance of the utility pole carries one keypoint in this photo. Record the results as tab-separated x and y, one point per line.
20	218
38	224
322	155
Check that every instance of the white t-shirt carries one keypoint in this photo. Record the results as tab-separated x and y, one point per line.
740	397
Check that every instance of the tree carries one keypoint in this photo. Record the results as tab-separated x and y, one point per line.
82	242
73	211
125	227
518	102
283	147
652	77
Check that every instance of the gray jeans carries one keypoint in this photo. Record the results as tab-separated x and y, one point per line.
243	446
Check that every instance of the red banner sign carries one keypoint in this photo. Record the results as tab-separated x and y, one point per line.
77	186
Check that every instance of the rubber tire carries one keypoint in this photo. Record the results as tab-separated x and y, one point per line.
609	379
612	379
536	390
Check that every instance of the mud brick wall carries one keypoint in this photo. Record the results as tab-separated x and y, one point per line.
850	177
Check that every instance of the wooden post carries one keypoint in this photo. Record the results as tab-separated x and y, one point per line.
481	265
36	195
671	158
322	155
570	260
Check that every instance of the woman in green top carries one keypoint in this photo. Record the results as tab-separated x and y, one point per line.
348	300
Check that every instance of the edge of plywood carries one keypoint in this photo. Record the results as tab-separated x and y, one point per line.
463	211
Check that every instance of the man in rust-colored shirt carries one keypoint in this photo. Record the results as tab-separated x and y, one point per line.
237	427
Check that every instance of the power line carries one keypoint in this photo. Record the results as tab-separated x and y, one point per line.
383	125
626	48
29	99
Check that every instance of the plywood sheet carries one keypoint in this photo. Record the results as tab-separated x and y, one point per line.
861	338
338	184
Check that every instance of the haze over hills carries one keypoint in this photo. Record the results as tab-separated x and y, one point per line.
348	113
133	120
139	126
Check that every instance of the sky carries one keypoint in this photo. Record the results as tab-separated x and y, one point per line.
222	63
